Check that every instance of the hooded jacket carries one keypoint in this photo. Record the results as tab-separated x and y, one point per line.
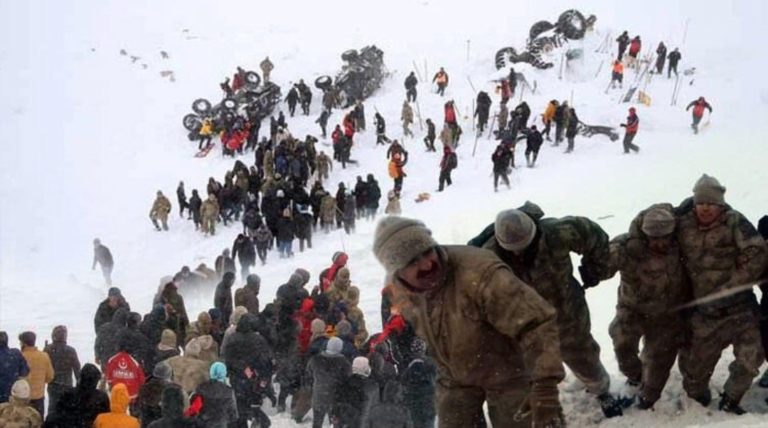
12	366
118	408
91	401
173	411
390	412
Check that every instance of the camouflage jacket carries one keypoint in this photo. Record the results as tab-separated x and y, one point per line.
19	414
650	283
485	326
726	254
161	206
546	264
210	209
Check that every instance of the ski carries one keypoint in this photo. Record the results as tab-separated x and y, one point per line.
203	153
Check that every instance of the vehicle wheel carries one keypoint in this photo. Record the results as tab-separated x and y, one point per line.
572	24
505	56
350	55
192	122
252	79
201	106
229	103
323	82
539	28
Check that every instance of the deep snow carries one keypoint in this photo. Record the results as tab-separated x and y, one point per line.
90	136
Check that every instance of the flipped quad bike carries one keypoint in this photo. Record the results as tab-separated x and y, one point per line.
544	36
359	77
590	130
252	101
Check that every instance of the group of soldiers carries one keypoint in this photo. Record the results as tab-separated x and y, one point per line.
515	310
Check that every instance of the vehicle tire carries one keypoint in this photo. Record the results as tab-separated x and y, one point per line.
350	55
192	122
572	24
505	56
229	104
252	79
323	82
539	28
201	106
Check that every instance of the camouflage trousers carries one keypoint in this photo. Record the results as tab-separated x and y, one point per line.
579	349
209	225
662	335
710	335
461	406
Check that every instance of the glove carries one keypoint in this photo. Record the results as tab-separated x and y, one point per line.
588	278
623	125
545	406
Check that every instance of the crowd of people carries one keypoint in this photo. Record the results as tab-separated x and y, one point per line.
220	369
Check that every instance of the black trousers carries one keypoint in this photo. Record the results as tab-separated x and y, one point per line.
445	178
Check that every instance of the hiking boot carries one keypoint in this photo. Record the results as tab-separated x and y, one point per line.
609	405
728	405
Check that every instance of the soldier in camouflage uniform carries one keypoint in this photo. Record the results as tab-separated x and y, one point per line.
209	211
160	209
653	286
724	256
324	165
17	412
538	250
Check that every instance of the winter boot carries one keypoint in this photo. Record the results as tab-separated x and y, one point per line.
728	405
642	404
609	405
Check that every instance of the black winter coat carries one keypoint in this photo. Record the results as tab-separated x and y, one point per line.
419	388
328	374
373	195
390	412
222	299
105	312
285	229
219	407
65	363
355	399
150	397
107	338
90	401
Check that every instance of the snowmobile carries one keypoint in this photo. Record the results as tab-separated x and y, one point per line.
544	36
359	77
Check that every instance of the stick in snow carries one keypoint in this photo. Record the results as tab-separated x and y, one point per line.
471	85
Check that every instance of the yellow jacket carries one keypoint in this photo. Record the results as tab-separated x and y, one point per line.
40	371
549	112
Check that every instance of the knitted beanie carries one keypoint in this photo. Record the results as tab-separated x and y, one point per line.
162	371
361	366
514	230
20	389
708	190
334	346
343	328
399	240
658	222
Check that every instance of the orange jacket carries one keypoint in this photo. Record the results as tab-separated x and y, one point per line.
549	113
118	406
618	67
395	168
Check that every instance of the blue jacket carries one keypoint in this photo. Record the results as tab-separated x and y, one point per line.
12	367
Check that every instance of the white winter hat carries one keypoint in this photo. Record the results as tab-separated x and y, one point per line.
334	345
20	389
361	366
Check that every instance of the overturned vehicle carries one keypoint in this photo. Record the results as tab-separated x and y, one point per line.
253	101
358	79
543	37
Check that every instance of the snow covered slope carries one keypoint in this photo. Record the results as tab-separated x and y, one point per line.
90	136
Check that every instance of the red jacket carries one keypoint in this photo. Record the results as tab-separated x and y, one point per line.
336	135
122	368
237	82
506	92
634	47
633	122
304	317
450	114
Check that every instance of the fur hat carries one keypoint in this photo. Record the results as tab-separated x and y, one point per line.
317	326
168	338
237	314
399	240
162	371
361	366
303	274
192	349
20	389
658	222
708	190
514	230
334	346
